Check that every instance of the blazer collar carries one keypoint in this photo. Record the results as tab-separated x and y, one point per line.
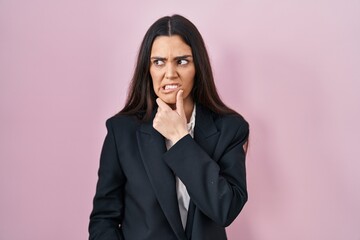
152	147
205	134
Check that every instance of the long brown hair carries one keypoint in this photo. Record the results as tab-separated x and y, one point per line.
141	97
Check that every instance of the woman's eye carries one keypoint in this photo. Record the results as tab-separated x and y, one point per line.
159	62
182	61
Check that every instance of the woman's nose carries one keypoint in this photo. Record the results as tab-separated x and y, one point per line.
170	72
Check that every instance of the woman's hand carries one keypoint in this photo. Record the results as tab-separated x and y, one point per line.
171	123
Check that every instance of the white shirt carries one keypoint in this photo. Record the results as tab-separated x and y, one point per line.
182	194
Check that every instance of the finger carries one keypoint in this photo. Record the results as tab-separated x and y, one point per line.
156	121
162	104
180	103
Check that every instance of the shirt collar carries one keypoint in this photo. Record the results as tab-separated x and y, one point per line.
191	123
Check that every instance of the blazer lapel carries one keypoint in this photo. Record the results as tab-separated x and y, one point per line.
205	133
152	147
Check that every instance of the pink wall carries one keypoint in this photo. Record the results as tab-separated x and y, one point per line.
291	67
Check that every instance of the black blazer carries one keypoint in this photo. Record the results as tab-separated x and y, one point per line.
136	195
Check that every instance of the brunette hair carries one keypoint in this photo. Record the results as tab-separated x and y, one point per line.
141	96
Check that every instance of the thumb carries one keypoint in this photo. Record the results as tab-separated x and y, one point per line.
180	103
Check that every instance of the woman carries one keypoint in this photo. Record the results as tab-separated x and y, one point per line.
173	161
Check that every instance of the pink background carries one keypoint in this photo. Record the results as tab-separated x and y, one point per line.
290	67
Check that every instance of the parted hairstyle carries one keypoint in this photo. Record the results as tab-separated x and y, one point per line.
141	96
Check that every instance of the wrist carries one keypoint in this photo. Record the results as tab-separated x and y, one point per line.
179	136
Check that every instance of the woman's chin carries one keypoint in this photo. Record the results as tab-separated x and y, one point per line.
170	100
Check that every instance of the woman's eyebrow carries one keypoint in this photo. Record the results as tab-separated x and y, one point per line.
176	58
182	57
158	58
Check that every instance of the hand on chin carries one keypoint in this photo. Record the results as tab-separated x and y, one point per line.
169	99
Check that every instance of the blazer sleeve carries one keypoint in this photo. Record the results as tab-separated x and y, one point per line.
217	188
107	213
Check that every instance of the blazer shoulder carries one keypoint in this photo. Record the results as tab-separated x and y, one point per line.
234	121
121	121
233	126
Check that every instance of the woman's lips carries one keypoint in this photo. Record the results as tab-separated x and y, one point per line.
168	88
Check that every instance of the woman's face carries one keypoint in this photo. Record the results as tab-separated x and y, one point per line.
172	68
